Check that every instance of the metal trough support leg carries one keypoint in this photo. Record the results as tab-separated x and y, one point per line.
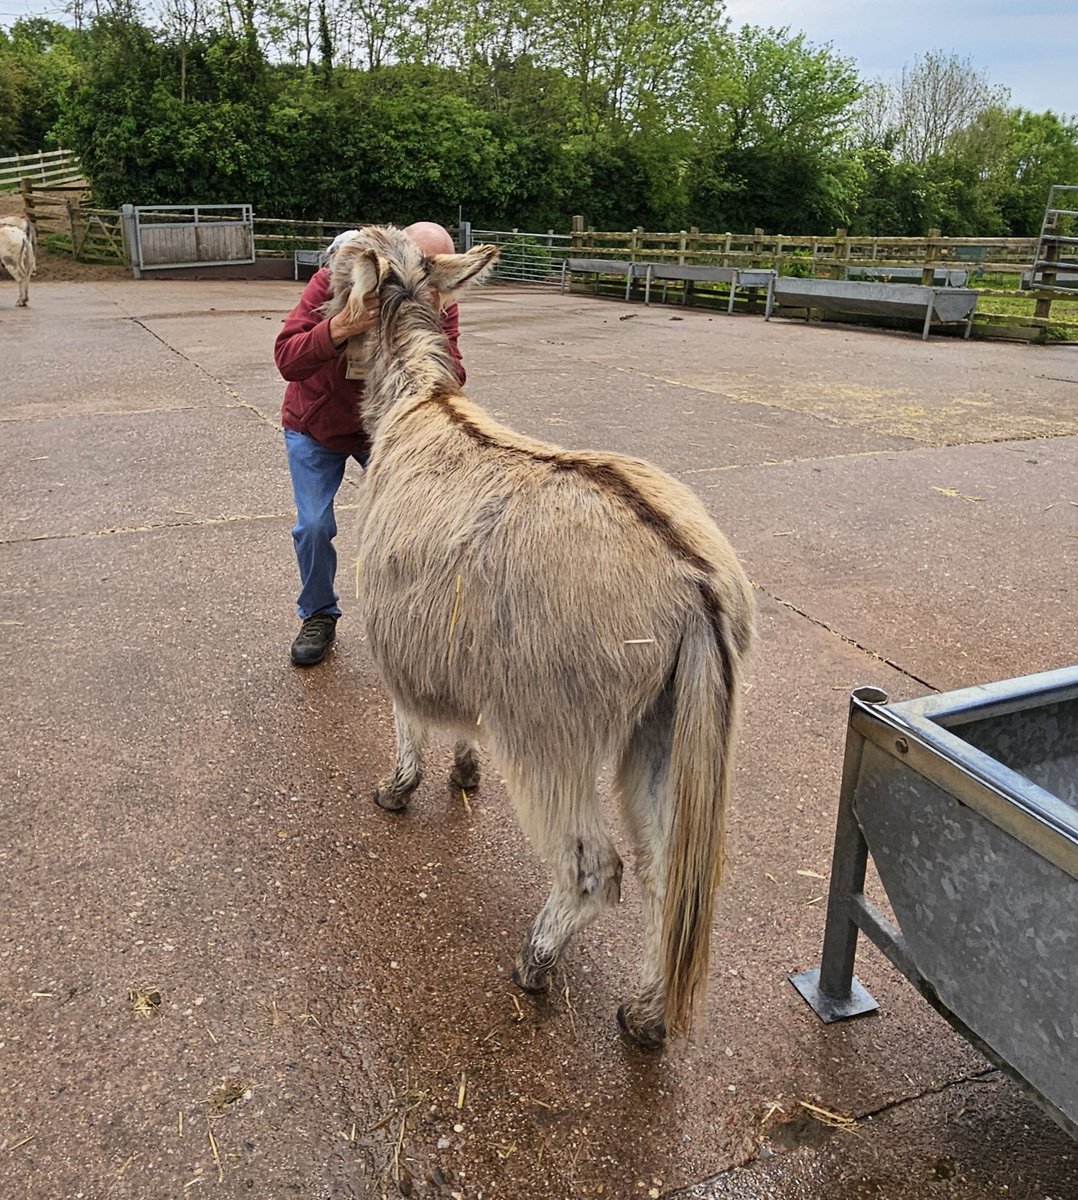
831	989
564	266
733	292
928	318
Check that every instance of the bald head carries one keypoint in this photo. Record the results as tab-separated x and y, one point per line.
430	238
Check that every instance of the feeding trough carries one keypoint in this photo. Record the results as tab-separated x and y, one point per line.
968	805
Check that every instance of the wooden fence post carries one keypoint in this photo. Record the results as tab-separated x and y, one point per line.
27	190
1043	306
842	255
577	232
74	219
681	248
928	272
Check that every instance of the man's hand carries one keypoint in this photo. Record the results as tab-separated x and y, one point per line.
345	324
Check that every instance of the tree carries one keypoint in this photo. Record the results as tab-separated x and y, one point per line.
938	97
36	69
771	123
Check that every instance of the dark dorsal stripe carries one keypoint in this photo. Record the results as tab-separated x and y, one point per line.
607	478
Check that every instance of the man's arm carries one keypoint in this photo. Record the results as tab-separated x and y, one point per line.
451	328
304	343
308	340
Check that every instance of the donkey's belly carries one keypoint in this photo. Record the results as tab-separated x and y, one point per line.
418	658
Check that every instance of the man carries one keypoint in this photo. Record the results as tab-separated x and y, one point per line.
322	418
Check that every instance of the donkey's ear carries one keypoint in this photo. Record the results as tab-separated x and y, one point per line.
357	274
452	273
365	268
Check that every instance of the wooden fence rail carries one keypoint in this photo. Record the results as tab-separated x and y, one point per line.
788	253
46	168
997	265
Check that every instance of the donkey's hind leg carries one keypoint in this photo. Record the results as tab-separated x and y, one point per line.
643	784
465	772
393	793
586	876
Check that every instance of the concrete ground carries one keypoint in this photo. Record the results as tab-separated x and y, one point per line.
224	972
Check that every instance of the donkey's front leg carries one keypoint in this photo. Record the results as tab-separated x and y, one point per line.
392	794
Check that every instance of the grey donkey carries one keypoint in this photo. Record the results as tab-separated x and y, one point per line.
566	609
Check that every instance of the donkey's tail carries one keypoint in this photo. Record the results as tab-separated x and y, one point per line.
705	713
26	256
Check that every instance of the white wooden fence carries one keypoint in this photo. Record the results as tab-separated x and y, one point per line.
46	168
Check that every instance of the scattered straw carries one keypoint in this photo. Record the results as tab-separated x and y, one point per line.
826	1116
145	1002
216	1155
957	495
467	802
462	1090
569	1008
28	1138
453	623
227	1092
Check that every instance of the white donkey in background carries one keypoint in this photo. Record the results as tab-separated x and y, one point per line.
565	608
17	253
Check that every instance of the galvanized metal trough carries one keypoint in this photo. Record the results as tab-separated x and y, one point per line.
968	805
927	304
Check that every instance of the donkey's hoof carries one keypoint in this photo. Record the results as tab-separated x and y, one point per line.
530	976
465	778
649	1033
389	800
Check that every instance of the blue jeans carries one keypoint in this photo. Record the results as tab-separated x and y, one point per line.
316	477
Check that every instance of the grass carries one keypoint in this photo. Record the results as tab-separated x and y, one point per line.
1063	320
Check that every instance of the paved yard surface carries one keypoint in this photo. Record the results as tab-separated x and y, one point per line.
224	972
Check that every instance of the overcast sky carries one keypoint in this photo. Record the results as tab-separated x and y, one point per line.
1029	46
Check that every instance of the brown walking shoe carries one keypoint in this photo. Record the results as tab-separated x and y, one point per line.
315	637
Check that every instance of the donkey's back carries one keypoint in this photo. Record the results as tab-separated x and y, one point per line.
516	582
566	608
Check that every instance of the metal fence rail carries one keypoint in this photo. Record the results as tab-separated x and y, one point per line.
525	257
189	235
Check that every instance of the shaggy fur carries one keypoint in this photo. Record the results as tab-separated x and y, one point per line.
566	608
17	253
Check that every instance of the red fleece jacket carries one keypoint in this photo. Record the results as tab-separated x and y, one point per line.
319	401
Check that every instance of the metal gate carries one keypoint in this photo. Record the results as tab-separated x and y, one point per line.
189	235
525	257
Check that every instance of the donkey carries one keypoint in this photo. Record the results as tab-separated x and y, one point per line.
17	253
564	608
